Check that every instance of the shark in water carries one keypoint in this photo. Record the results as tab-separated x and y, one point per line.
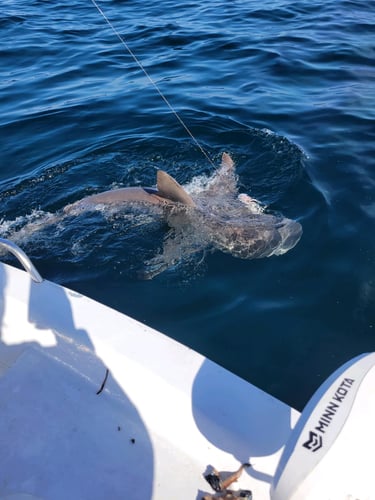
214	218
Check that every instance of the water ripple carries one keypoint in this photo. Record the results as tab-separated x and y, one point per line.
286	88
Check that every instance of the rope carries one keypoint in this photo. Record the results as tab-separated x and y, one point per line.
153	83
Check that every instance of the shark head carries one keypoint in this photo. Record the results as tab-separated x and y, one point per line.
290	232
261	235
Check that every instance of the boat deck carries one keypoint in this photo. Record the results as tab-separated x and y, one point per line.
95	405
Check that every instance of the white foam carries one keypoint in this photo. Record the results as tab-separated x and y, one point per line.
198	184
252	204
21	229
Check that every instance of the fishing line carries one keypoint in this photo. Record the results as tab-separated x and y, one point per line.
152	81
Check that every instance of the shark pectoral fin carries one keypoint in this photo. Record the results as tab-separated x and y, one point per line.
179	248
226	162
170	189
169	256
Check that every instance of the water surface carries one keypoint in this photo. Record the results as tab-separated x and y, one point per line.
287	89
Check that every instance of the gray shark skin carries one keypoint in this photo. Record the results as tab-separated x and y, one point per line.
216	218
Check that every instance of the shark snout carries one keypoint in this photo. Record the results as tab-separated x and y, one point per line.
290	232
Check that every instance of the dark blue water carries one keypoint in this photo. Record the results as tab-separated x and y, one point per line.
286	88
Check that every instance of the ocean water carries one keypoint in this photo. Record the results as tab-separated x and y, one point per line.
286	88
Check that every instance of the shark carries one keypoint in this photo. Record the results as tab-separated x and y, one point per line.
215	217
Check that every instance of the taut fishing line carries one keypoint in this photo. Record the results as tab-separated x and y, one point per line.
151	80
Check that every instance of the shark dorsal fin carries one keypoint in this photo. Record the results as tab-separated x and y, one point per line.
170	189
226	162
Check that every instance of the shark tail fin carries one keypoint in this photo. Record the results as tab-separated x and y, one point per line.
170	189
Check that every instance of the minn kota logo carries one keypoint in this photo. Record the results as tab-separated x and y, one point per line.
315	439
314	443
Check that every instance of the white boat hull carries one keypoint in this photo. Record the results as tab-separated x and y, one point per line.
164	415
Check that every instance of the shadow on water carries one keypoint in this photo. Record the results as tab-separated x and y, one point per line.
60	438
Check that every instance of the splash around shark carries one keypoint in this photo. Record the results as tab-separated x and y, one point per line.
216	217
